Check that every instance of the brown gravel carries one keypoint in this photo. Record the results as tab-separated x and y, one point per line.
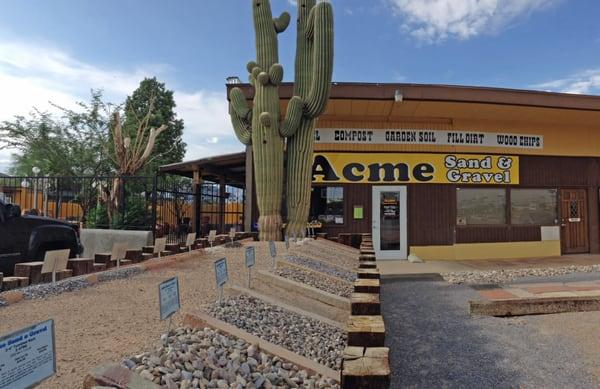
109	321
330	252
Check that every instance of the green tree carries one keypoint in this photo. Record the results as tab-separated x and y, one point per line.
152	96
68	143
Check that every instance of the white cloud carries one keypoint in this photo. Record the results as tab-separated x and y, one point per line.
438	20
585	82
31	75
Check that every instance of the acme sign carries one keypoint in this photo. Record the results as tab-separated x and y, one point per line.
380	168
429	137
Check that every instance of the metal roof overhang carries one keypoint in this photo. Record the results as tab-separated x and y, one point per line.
230	166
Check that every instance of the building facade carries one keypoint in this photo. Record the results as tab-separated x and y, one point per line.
449	172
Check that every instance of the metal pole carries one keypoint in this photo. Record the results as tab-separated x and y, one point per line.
249	270
154	199
220	295
35	188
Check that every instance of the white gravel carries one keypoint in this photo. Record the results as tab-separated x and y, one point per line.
507	275
321	267
326	284
193	358
305	336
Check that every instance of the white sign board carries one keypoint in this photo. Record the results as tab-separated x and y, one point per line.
212	235
221	272
272	249
232	233
55	260
159	245
118	250
27	356
428	137
168	296
250	258
189	240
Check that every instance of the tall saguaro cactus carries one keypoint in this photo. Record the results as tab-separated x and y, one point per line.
260	126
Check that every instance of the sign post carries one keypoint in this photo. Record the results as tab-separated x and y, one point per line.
273	251
250	260
221	275
168	296
27	356
287	243
212	235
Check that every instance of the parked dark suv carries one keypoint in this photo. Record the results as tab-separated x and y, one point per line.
27	238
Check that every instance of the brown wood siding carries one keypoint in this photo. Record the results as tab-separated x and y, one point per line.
558	171
354	194
431	214
489	234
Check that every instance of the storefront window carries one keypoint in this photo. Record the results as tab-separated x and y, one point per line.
328	204
480	206
533	206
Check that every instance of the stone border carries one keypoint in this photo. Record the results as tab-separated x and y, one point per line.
201	320
534	306
14	296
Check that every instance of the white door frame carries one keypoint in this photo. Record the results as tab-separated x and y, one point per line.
376	212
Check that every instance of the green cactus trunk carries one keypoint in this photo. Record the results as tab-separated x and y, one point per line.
260	126
314	66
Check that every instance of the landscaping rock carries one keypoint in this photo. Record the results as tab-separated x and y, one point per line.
321	267
326	284
507	275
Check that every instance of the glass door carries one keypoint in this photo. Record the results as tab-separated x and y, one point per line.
389	222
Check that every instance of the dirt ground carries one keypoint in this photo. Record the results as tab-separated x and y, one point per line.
111	320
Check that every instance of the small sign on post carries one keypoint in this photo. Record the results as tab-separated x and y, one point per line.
221	275
250	260
232	234
189	240
55	260
273	251
27	356
212	235
168	297
118	252
159	245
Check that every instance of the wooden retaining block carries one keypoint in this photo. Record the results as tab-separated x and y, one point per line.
81	266
102	258
365	304
99	267
367	252
372	274
30	270
364	285
60	275
9	283
134	255
1	278
366	367
172	247
367	265
366	331
534	306
367	257
321	235
166	253
148	250
202	243
147	256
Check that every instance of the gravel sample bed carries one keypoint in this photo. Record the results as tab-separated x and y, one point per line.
321	267
326	284
434	342
327	252
194	358
308	337
118	274
507	275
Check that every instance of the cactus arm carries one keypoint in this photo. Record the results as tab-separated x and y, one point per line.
241	127
276	74
282	22
317	98
267	52
239	105
293	116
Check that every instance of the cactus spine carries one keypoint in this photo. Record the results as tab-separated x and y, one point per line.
260	126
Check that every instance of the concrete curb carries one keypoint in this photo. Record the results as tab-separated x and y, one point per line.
202	320
534	306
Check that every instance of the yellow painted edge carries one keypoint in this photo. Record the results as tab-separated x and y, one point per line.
501	250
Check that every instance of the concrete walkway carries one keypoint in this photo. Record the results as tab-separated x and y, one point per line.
403	267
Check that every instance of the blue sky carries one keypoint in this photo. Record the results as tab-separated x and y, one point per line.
58	50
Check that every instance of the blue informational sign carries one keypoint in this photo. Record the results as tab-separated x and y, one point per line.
221	272
168	295
272	249
27	356
250	259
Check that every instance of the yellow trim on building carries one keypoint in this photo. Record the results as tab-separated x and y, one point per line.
500	250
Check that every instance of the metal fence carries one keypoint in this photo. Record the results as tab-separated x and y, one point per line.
166	205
